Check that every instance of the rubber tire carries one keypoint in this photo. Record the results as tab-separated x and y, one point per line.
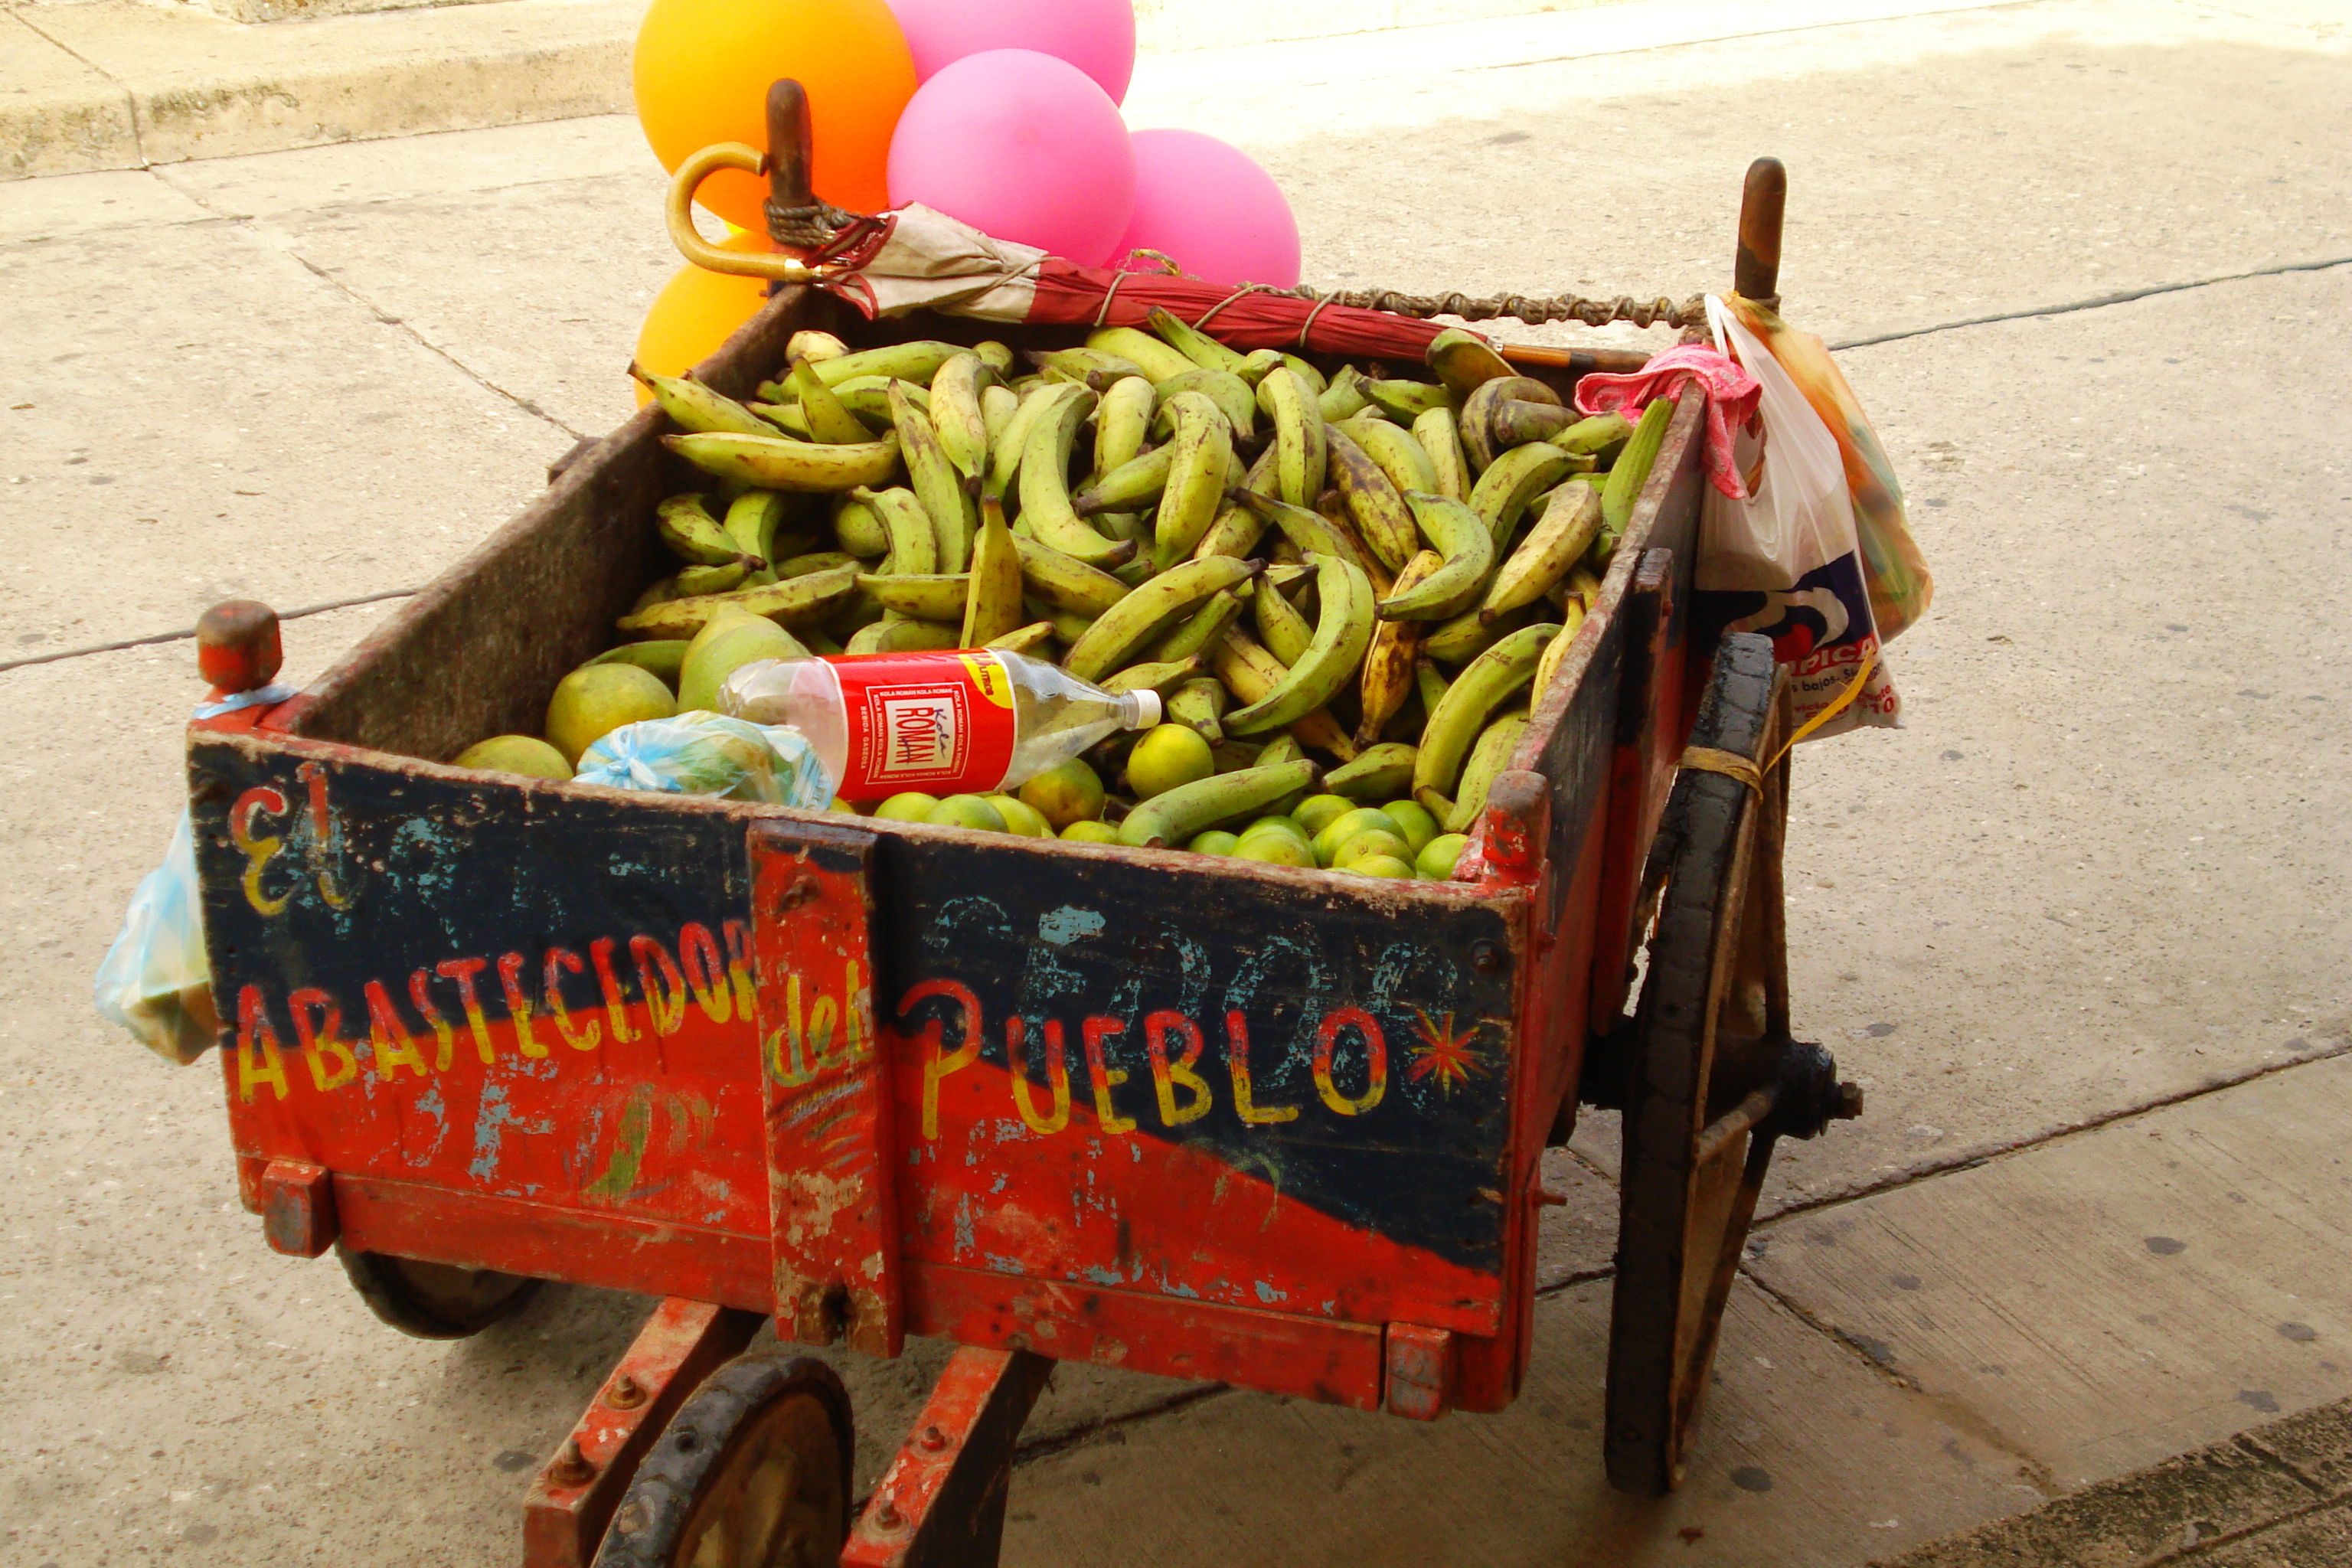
434	1300
690	1458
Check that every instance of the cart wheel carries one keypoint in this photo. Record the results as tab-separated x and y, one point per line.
752	1472
1716	1080
432	1300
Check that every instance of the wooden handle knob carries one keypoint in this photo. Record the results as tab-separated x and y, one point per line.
237	645
788	144
1757	272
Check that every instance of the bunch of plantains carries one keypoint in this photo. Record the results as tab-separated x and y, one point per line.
1358	580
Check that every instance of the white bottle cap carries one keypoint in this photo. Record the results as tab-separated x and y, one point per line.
1146	707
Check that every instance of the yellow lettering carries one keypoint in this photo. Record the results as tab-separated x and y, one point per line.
319	1041
558	960
388	1040
518	1006
1057	1075
462	970
1237	1056
1167	1074
1094	1032
257	1058
940	1062
260	848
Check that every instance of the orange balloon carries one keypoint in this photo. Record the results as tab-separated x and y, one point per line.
702	73
697	310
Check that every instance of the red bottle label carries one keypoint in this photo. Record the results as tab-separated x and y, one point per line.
938	723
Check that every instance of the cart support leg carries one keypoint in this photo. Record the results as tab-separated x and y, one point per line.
941	1502
566	1510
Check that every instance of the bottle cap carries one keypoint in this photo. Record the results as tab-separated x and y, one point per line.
1146	707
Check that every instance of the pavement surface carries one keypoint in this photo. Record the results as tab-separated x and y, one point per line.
2079	928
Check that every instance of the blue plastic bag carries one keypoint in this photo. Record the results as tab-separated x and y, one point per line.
155	980
700	752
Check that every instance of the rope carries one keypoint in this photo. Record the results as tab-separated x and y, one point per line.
811	228
1660	311
1732	766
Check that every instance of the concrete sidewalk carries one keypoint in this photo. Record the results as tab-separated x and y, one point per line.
2081	927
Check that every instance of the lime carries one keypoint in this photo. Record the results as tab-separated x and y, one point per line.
1289	825
1316	811
1168	755
525	754
1274	849
1372	844
1414	821
1020	816
839	805
1437	858
914	806
1382	865
1213	842
731	639
596	699
1071	792
1088	831
967	810
1347	825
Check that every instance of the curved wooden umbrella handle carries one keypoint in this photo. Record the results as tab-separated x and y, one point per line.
690	244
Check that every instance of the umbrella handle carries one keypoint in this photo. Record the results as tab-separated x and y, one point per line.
700	251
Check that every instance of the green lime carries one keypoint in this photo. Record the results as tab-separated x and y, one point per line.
1167	756
967	810
1316	811
843	806
596	699
1274	849
1071	792
1278	824
525	754
1437	858
1020	816
1380	866
914	806
732	638
1086	830
1414	821
1372	844
1213	842
1350	823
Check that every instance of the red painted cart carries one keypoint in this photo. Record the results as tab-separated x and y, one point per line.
1201	1116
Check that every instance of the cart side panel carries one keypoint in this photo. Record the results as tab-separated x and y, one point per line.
1244	1086
494	986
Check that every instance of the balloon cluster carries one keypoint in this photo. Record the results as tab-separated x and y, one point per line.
1002	113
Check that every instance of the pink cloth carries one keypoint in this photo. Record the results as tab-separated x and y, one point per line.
1731	399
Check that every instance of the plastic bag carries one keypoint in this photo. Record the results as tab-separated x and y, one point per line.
155	980
700	752
1784	559
1896	573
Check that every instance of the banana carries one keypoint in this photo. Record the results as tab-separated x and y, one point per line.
1045	482
1116	635
1489	756
1067	626
1463	361
1192	342
1631	472
1342	631
1122	423
693	406
665	656
1250	674
1589	437
752	521
1375	503
695	536
1432	683
1200	631
1280	626
1441	443
1344	396
691	580
824	415
1230	393
994	605
1281	749
1511	481
1157	676
1256	363
1202	453
934	596
1073	365
957	417
1566	530
1004	461
1461	537
858	527
1181	813
934	480
868	397
656	593
997	407
1460	638
1310	377
1237	529
1585	585
1065	581
808	343
1134	484
901	636
1405	401
1394	449
996	356
1031	638
814	561
1515	421
914	543
789	604
1386	681
1156	357
781	463
1299	458
788	417
1199	704
1380	772
1471	701
917	362
1310	531
1555	651
1475	420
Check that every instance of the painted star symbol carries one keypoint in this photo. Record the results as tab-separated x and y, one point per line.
1444	1053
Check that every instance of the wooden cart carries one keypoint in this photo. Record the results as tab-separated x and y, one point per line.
1049	1100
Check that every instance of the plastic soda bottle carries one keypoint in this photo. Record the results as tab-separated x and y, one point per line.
967	721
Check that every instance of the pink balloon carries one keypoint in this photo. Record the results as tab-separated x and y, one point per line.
1210	208
1096	35
1020	145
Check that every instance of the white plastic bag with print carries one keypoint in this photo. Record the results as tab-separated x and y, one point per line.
155	980
1783	560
